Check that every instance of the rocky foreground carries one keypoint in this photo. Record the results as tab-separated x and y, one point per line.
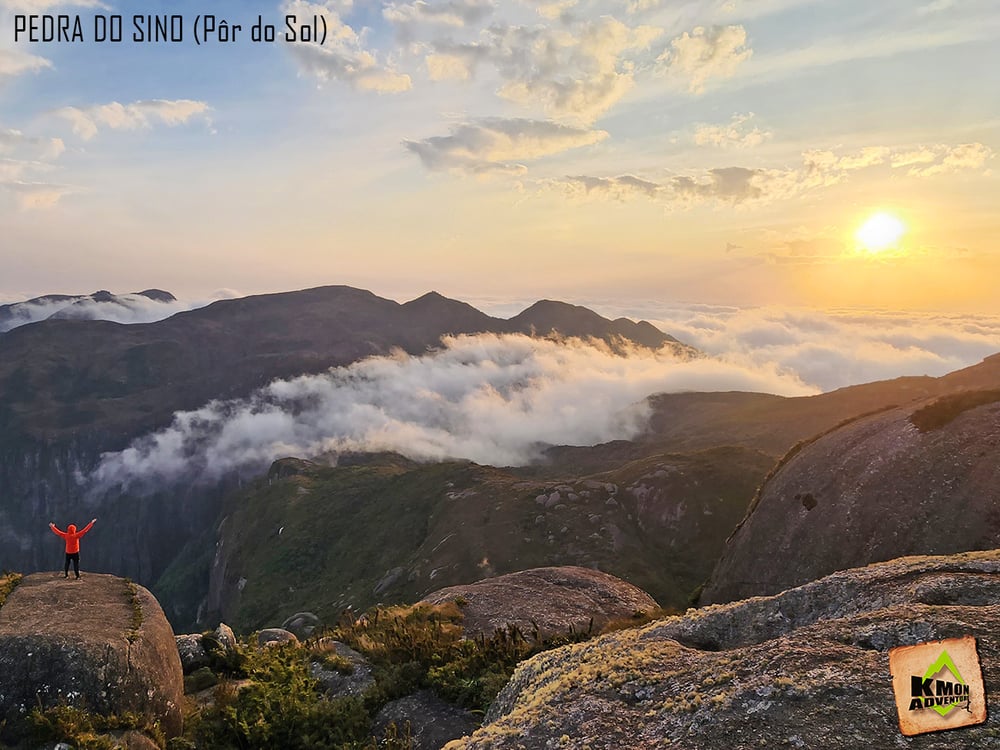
807	668
545	601
99	644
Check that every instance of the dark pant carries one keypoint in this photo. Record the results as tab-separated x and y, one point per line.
75	557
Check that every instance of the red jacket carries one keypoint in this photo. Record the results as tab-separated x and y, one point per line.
72	536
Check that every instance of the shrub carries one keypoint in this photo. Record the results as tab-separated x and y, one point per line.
948	408
280	706
87	731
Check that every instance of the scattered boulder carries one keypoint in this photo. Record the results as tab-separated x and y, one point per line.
191	651
919	480
100	644
226	637
779	671
302	624
336	683
274	636
554	599
432	722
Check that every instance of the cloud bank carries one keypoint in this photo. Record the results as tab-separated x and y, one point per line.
499	145
826	350
488	398
125	308
87	121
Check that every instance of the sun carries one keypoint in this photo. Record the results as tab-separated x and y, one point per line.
880	232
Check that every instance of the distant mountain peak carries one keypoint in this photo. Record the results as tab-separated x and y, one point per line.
157	295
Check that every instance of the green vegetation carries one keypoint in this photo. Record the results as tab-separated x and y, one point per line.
390	530
135	623
8	582
270	698
279	705
948	408
422	646
87	731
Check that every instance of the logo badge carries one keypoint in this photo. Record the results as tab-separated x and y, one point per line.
938	685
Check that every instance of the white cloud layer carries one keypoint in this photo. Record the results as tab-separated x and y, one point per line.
500	145
707	53
737	134
492	399
576	71
14	63
826	349
737	185
129	308
447	12
87	121
344	57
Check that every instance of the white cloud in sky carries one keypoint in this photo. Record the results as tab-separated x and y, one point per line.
16	62
554	10
577	71
706	53
29	147
87	121
344	57
447	12
35	195
739	133
24	162
42	6
500	145
738	185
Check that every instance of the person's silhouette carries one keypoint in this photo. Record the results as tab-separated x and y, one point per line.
72	537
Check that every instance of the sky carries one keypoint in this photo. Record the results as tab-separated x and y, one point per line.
722	152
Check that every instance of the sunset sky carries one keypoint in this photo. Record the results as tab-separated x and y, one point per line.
724	151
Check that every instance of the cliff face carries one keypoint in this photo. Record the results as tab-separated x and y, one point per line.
808	668
919	480
100	643
136	536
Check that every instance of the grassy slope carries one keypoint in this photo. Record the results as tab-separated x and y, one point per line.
327	538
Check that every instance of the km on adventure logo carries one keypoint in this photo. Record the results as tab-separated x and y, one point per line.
938	685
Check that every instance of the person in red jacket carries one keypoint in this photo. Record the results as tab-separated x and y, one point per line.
72	537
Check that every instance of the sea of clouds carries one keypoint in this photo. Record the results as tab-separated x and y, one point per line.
494	399
500	399
127	309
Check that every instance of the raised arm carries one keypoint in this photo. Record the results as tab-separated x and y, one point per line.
86	528
56	531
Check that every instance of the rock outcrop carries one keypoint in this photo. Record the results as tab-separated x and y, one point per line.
807	668
554	599
100	643
428	721
922	480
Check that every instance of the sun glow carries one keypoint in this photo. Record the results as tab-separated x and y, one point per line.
880	232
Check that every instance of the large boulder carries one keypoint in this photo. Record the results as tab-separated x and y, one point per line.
100	643
807	668
553	599
920	480
428	721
